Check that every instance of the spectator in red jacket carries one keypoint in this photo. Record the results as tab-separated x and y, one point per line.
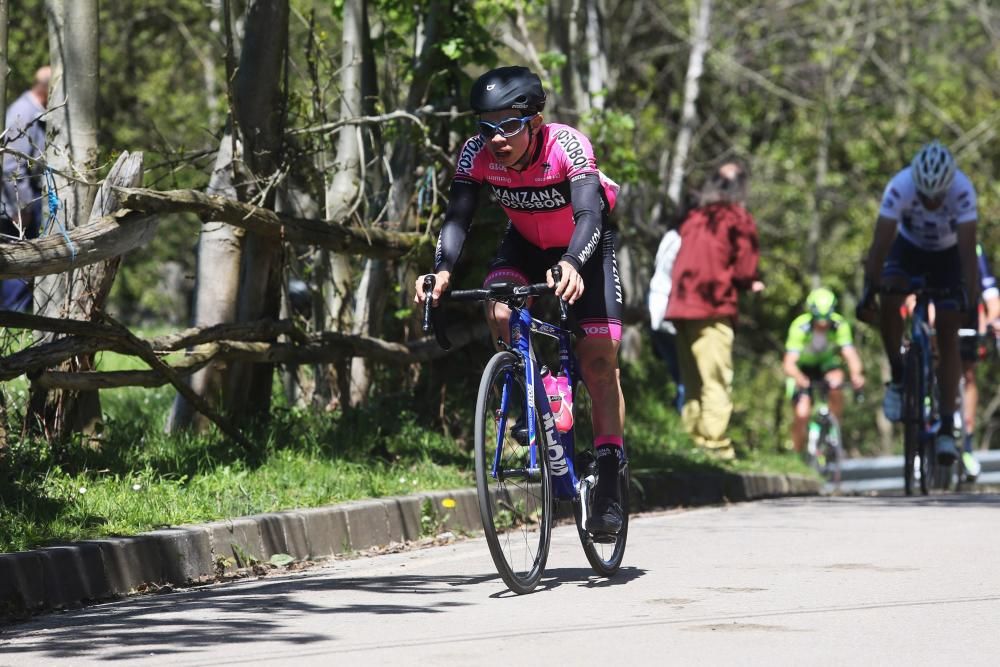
718	258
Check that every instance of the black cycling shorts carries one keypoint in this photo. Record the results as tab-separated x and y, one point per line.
599	311
941	268
816	375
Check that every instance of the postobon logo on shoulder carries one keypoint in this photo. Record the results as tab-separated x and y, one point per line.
574	149
469	152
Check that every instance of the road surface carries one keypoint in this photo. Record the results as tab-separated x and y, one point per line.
814	581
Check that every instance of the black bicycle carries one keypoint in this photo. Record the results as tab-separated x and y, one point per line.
516	478
921	410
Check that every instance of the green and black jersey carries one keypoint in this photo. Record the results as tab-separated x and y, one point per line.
818	349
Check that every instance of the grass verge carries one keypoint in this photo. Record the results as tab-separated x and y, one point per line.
142	479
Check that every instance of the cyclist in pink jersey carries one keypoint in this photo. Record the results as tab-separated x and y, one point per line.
545	177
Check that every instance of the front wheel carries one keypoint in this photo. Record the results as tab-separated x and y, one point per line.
515	500
834	451
913	407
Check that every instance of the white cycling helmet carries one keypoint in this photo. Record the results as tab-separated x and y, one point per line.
933	170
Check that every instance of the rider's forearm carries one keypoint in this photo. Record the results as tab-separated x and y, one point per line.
462	201
967	255
853	360
885	234
791	367
588	215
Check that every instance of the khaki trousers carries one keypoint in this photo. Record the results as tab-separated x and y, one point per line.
705	349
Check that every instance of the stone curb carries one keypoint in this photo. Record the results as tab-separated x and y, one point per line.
75	573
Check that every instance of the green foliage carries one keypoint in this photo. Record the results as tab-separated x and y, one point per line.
783	87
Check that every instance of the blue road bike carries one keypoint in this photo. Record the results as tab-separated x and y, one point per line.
524	465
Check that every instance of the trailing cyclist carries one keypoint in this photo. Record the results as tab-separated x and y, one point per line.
545	177
818	340
984	318
926	229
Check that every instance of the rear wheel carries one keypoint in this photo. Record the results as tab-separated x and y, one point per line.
604	556
515	500
929	468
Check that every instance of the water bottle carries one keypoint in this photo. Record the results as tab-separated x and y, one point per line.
813	444
564	420
560	396
551	387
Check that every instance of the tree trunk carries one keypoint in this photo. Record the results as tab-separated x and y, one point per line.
239	272
370	296
4	68
815	197
91	286
345	188
565	22
71	147
260	107
597	59
696	66
220	247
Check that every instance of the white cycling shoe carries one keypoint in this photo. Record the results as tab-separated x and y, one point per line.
972	466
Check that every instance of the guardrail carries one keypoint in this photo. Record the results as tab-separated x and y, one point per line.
885	473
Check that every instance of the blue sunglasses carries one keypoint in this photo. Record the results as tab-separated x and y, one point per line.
506	128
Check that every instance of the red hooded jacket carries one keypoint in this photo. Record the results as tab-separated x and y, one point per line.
718	256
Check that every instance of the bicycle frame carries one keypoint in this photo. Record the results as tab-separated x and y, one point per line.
920	337
559	447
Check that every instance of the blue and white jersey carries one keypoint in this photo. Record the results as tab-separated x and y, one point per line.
929	230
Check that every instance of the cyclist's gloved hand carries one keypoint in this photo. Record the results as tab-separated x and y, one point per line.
866	311
570	287
441	281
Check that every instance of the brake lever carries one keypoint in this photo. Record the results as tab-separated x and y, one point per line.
563	311
429	281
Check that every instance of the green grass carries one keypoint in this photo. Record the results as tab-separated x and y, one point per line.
141	479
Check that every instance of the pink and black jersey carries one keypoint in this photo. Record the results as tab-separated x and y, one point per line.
559	200
537	199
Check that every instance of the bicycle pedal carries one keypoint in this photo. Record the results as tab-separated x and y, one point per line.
603	539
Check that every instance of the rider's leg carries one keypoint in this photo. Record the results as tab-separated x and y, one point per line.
950	365
891	328
498	319
511	264
598	358
970	402
949	370
802	406
599	366
835	397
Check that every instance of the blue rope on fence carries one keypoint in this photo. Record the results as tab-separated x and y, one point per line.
54	203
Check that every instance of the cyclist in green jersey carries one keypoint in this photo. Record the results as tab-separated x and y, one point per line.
818	341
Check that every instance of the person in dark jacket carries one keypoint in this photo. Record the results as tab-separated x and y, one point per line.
718	258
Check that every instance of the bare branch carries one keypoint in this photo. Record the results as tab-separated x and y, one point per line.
267	223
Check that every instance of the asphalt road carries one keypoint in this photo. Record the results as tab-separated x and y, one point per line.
801	581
